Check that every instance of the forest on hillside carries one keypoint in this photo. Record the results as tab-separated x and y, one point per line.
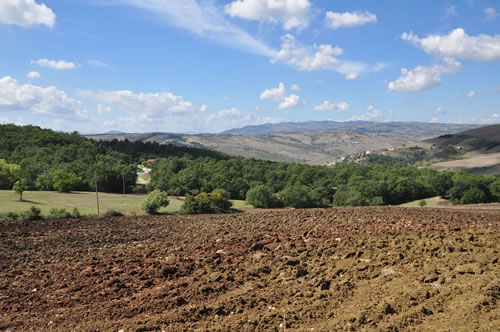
46	160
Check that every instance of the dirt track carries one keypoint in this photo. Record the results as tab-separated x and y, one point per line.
380	269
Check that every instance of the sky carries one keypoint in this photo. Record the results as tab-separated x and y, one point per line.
205	66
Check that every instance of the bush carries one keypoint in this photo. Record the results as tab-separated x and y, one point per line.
215	202
155	200
422	203
12	216
58	214
113	213
75	213
474	196
32	214
261	196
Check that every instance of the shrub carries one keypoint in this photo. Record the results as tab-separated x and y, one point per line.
32	214
474	196
12	216
422	203
75	213
155	200
58	214
261	196
113	213
215	202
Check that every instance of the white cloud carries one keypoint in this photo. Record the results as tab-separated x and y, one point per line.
233	118
491	14
318	57
434	119
458	44
147	106
279	95
471	94
292	13
371	114
295	87
332	106
450	11
59	65
204	19
98	64
275	94
439	110
422	77
291	101
49	101
338	20
4	120
101	109
496	115
203	108
474	93
26	13
33	75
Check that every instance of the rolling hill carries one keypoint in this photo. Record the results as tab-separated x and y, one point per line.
308	142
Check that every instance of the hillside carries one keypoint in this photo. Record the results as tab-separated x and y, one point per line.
409	129
476	151
290	147
308	142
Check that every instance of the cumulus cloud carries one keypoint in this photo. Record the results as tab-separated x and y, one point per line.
291	13
491	14
338	20
434	119
291	101
101	109
279	94
371	114
233	118
295	87
50	101
458	44
332	106
26	13
59	65
203	108
318	57
33	75
275	94
146	106
423	77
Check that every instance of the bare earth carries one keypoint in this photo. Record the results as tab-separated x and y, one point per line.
360	269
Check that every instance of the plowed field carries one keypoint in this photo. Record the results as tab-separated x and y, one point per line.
360	269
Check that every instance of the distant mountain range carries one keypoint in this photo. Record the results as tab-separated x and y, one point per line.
409	129
314	142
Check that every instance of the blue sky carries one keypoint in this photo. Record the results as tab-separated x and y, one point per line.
197	66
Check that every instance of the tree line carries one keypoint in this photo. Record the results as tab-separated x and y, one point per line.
41	159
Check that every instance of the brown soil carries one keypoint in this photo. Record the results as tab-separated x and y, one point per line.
363	269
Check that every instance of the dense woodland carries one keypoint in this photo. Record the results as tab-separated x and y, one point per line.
48	160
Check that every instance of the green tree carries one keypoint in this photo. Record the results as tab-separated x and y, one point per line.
20	187
261	196
155	200
65	181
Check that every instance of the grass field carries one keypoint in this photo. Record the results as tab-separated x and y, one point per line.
431	202
84	201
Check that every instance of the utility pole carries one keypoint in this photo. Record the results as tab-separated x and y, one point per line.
123	179
96	194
